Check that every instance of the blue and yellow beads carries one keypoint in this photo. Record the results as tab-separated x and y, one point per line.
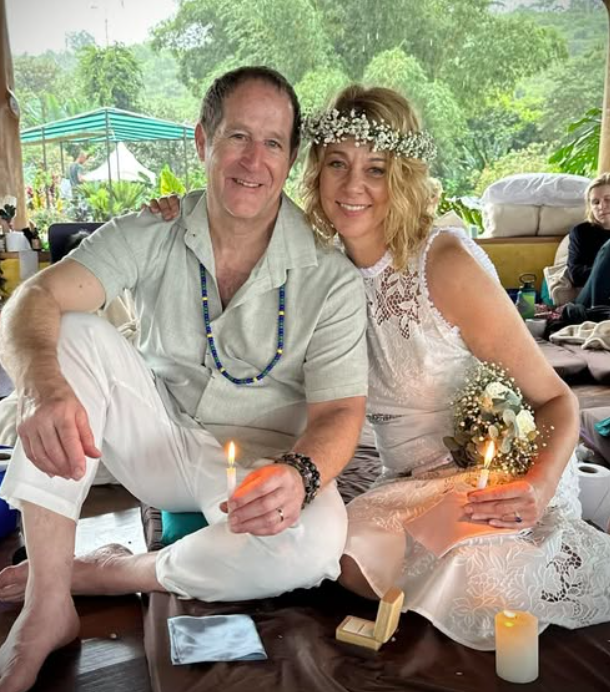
208	332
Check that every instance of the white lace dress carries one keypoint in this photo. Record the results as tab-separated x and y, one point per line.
559	571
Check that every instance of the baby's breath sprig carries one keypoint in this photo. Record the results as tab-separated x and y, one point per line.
333	126
491	407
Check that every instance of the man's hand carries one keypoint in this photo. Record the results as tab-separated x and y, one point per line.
268	501
55	433
168	207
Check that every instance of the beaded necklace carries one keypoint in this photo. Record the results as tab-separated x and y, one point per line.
208	332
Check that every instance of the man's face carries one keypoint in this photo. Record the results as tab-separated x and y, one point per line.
248	159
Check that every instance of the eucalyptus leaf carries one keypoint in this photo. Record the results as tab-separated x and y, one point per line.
451	444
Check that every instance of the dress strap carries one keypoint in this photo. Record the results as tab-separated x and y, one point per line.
477	252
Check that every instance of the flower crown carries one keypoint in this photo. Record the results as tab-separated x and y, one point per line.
333	126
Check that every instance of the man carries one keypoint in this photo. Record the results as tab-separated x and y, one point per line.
249	332
76	172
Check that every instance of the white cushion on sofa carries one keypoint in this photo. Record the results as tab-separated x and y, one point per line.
561	256
551	189
507	220
559	220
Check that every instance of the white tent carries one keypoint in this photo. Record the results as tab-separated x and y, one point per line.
123	166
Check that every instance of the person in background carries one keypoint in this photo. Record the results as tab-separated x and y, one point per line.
589	249
76	172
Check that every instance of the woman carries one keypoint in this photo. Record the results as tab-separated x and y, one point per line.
435	309
589	251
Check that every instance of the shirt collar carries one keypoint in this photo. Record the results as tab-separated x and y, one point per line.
292	243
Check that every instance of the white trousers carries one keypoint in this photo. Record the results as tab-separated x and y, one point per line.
176	469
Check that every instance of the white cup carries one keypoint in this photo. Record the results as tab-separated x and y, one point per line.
15	241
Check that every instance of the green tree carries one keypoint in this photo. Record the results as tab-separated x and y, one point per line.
39	82
317	88
477	53
505	124
35	73
110	76
576	87
434	101
462	43
209	37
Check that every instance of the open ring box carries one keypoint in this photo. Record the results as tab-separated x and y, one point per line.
8	516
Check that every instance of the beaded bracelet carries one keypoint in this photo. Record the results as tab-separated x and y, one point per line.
308	470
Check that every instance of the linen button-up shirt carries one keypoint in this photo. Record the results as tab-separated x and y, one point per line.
324	353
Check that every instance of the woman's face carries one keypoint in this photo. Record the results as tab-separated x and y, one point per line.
354	190
599	200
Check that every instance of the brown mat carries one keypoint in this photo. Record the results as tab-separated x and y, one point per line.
298	629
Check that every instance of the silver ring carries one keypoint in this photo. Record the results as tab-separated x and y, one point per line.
518	518
279	511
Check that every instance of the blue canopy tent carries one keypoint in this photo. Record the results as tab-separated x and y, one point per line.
109	125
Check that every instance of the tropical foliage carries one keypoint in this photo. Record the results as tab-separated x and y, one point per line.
503	86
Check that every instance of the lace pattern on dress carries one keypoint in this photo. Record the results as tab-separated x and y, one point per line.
557	570
397	298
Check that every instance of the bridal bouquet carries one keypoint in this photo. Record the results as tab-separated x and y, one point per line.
490	407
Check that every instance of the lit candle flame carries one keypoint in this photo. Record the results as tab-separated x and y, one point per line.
490	453
231	471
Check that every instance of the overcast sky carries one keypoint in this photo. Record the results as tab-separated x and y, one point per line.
39	25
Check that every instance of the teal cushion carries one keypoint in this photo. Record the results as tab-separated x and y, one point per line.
177	525
603	427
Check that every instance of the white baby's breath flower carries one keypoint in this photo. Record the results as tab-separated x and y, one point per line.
333	126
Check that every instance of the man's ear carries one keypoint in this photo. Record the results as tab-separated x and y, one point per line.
200	140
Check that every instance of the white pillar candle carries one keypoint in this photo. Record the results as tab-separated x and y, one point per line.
231	471
483	479
516	646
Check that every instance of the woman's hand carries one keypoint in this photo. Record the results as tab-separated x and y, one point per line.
516	505
168	207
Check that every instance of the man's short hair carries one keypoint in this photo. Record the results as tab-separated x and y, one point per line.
211	106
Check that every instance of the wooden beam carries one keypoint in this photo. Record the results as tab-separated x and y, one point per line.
604	142
11	163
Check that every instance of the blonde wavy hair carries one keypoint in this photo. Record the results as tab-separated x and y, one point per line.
409	220
600	181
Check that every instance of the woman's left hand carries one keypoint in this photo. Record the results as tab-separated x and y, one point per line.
516	505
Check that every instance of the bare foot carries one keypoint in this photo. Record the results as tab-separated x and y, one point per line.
87	575
40	628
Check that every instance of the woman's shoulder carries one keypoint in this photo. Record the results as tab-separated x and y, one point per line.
446	246
583	227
